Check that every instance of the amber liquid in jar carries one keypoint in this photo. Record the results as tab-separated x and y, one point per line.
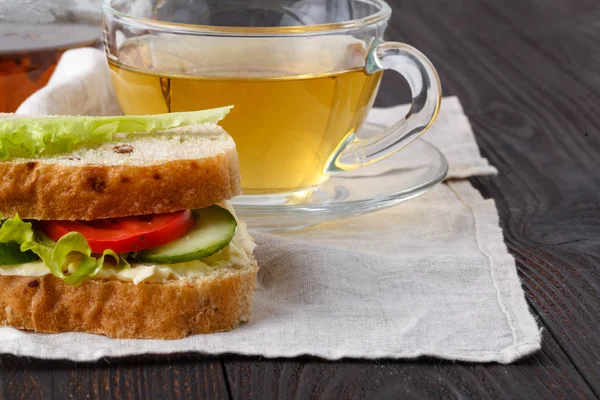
29	54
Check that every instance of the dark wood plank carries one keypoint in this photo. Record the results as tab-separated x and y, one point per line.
545	375
533	101
148	377
544	136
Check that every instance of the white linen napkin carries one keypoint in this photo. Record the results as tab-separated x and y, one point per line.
428	277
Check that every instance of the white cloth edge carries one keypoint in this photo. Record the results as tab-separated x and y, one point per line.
503	272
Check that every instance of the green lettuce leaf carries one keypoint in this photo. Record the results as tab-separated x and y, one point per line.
56	254
30	137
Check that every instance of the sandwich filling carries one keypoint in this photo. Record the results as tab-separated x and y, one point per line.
212	244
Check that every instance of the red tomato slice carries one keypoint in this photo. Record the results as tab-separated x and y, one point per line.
125	234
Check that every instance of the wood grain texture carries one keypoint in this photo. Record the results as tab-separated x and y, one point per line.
146	377
536	377
528	75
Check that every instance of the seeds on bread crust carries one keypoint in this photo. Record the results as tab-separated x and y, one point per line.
165	310
98	185
83	191
160	175
123	149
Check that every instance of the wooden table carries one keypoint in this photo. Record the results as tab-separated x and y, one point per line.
528	75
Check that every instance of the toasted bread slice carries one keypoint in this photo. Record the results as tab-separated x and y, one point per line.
189	167
166	310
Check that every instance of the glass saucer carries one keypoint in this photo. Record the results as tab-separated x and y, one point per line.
403	176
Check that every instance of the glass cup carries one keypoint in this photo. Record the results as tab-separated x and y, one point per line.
302	76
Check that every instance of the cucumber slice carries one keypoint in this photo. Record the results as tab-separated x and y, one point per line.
213	229
11	254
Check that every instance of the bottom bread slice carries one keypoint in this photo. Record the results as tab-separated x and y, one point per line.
168	310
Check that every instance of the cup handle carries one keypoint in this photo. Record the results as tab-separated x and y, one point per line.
426	98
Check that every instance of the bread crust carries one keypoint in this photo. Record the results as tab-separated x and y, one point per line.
117	309
50	191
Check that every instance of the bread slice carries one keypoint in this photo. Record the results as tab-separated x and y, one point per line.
168	310
189	167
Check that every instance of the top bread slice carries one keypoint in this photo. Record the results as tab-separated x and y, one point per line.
188	167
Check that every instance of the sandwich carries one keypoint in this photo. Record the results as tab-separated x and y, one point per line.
120	226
